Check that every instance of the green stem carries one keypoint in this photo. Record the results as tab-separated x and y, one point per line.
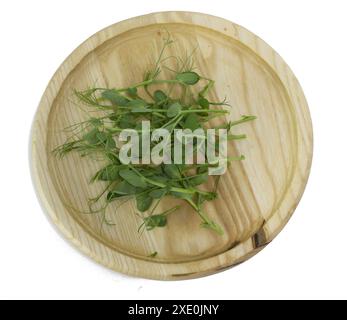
149	82
242	120
207	111
206	221
173	189
236	136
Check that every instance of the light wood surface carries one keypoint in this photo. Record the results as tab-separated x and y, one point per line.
257	196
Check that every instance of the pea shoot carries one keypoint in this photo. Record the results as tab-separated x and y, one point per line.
152	100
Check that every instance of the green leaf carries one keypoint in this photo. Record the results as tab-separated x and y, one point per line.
158	220
159	96
132	92
127	121
172	171
133	178
209	196
109	173
143	202
137	103
192	122
155	221
91	136
113	117
204	103
189	78
200	179
95	137
158	194
174	109
122	189
160	178
115	97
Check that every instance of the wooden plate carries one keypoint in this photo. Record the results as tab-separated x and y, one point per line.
257	196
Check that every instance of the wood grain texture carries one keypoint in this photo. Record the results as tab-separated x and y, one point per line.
257	196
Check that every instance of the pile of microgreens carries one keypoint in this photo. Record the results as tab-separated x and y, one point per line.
126	108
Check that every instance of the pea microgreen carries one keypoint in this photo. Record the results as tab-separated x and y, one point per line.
125	108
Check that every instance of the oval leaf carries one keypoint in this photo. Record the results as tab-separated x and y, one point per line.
204	103
143	202
174	110
133	178
160	178
192	122
122	189
189	78
91	136
172	171
155	221
200	179
159	96
132	92
127	121
158	194
115	97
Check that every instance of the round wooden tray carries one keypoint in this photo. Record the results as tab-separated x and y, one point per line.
257	196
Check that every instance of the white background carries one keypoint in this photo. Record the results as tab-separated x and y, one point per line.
307	260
